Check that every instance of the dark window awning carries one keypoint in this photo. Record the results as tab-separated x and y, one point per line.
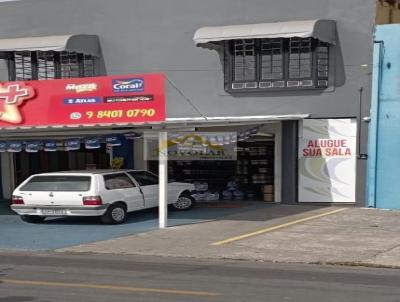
323	30
86	44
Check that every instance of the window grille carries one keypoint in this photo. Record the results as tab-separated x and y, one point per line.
46	65
3	69
69	62
244	60
89	67
300	58
277	63
271	59
23	65
322	53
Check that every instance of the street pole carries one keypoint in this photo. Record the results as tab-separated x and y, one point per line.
162	179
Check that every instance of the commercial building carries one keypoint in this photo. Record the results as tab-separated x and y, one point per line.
292	77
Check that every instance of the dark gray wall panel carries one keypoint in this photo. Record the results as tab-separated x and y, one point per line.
289	163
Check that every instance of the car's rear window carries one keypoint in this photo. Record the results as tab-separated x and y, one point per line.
58	183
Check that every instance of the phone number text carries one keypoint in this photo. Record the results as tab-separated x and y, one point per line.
102	114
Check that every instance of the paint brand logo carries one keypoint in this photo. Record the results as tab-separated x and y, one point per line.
83	101
87	87
128	85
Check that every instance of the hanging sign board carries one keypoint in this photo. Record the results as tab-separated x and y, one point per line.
83	101
327	160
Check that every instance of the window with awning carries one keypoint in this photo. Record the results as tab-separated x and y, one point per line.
273	56
51	57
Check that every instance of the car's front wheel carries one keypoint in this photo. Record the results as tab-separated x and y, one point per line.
116	214
32	219
184	202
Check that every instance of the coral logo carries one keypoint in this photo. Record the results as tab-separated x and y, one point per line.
128	85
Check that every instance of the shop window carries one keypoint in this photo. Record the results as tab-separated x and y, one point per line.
276	64
46	65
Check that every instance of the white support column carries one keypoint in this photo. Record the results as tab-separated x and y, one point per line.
163	180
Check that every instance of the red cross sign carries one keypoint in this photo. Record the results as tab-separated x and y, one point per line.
13	95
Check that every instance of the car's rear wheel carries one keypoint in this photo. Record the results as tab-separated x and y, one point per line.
184	202
116	214
32	219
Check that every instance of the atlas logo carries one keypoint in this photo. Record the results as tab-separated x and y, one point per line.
128	85
82	101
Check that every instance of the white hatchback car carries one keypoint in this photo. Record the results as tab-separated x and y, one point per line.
110	194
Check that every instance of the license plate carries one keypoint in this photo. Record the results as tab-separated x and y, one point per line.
54	212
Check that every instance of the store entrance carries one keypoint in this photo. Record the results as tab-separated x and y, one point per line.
250	177
26	163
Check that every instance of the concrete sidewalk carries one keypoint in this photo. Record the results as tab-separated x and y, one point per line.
354	236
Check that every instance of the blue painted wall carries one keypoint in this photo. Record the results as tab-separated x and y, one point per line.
384	142
125	151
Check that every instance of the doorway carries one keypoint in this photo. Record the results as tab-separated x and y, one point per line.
26	164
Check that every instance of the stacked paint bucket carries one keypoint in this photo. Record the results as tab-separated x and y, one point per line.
268	192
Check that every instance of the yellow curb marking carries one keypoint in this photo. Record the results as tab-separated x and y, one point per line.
277	227
111	287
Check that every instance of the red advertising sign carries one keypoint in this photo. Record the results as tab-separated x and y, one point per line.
83	101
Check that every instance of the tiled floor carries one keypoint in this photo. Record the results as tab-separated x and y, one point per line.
63	232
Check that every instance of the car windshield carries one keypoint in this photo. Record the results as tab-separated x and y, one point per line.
58	183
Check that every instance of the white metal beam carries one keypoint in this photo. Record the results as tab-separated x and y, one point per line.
163	180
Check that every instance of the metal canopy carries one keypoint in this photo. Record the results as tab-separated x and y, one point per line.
169	123
86	44
323	30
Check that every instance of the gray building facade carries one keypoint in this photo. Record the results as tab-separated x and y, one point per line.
157	36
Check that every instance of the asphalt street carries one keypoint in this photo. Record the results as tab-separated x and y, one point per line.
45	277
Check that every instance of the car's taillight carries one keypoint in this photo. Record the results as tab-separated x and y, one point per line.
92	201
17	200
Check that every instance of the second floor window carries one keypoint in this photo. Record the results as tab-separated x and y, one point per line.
46	65
276	64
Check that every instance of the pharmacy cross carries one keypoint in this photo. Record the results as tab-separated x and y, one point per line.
14	94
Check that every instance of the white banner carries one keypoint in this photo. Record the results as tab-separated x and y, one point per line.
327	160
